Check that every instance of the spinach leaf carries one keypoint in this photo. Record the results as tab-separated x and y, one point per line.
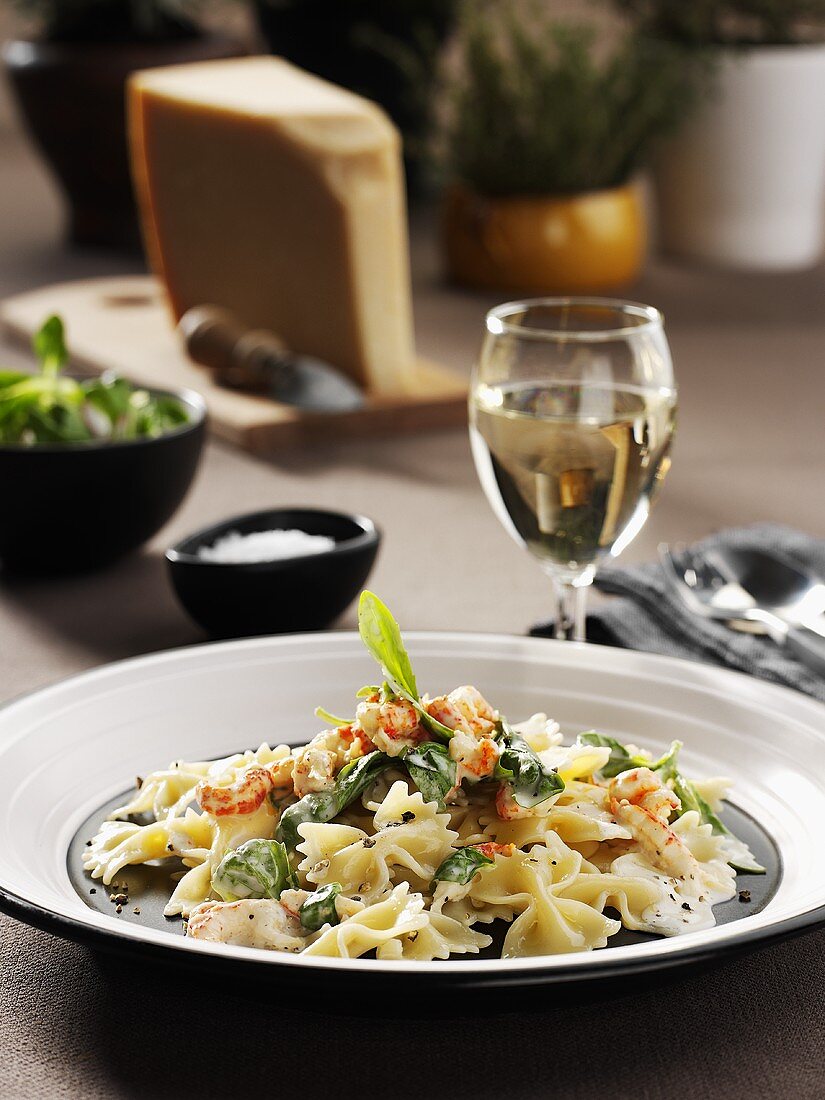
432	769
257	869
519	765
461	866
323	806
381	634
319	908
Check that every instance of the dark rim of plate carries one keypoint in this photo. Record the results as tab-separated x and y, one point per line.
185	551
191	399
112	939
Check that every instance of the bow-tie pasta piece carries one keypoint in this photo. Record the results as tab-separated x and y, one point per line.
399	914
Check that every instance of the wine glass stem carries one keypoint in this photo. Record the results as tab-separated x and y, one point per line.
570	610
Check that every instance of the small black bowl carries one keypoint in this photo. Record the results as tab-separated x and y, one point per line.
233	600
68	507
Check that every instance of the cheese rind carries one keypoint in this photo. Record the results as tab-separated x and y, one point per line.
280	197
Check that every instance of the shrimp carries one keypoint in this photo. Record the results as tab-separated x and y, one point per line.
251	922
491	849
465	709
315	764
475	759
314	771
641	787
657	840
471	718
509	810
244	796
391	726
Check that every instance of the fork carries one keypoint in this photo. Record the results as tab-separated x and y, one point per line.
711	593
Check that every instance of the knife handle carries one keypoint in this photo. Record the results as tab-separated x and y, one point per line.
235	356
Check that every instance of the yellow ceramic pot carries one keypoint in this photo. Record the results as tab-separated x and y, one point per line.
545	245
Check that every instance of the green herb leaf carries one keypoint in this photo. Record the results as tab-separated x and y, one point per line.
620	760
367	691
381	635
50	346
319	908
461	866
332	719
312	807
48	408
257	869
519	765
432	769
740	856
323	806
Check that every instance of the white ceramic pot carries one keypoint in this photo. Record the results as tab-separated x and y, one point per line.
743	183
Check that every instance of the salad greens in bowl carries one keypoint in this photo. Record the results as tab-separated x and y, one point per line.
90	468
49	407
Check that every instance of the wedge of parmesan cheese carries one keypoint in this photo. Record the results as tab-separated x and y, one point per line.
280	197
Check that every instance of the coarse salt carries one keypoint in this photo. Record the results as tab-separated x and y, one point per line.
236	549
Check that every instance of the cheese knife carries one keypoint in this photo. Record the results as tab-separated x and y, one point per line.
257	361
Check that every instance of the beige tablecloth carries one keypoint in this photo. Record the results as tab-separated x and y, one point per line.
749	354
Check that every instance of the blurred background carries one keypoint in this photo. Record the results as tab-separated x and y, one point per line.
666	152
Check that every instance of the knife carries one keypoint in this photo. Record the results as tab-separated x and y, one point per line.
258	361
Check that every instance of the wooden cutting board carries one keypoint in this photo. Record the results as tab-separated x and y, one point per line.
123	324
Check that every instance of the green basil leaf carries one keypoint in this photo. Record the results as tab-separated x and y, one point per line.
432	769
332	719
320	806
620	760
740	856
323	806
461	866
432	724
381	635
257	869
319	908
354	779
532	783
49	345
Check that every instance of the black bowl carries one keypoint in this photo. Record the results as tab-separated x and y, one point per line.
275	597
67	507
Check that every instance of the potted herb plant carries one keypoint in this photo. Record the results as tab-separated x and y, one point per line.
69	80
545	136
743	183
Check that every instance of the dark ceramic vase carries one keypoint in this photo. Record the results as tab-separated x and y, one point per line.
72	98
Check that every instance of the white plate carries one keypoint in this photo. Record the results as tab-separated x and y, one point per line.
66	750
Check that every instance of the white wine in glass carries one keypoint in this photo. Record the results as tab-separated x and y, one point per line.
571	420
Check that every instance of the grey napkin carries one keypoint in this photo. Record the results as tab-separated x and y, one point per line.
647	616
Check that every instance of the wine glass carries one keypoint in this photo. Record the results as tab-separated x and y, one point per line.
572	413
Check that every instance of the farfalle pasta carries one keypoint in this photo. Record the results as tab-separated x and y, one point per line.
411	830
